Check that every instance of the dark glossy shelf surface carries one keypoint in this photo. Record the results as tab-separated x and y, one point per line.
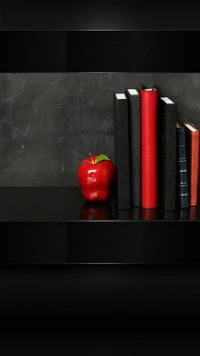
123	243
62	204
52	225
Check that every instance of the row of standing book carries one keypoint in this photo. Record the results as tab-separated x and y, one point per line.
157	156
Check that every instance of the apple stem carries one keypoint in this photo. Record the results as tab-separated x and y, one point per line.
90	154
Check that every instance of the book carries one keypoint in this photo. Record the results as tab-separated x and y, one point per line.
122	154
149	179
193	160
167	153
182	167
134	135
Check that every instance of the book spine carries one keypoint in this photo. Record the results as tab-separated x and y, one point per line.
182	168
122	156
134	133
149	99
168	151
194	171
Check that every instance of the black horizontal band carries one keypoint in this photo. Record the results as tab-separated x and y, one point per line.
96	51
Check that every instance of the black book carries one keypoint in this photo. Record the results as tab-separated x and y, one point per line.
134	134
182	167
122	154
167	153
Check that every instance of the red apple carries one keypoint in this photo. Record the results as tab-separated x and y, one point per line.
96	211
96	176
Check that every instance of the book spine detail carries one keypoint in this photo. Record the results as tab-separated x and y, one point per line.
183	169
168	137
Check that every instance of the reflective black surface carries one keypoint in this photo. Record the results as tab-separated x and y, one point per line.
57	204
57	226
101	297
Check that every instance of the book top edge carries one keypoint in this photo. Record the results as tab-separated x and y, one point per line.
149	89
167	100
190	126
133	91
120	96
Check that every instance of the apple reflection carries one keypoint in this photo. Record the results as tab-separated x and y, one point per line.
96	211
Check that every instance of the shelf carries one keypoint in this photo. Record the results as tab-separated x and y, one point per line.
65	204
46	229
100	242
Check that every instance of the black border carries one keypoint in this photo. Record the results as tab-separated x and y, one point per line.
101	15
26	53
95	242
101	291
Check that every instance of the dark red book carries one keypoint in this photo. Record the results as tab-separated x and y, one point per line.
193	160
149	181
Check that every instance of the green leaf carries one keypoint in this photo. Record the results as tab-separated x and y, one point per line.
101	158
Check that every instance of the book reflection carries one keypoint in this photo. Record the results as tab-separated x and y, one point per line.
149	214
187	213
184	214
124	215
169	215
193	213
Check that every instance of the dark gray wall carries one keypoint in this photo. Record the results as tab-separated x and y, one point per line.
50	122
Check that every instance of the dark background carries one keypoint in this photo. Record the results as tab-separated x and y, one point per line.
51	121
100	15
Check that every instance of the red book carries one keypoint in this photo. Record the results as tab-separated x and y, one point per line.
193	159
149	101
